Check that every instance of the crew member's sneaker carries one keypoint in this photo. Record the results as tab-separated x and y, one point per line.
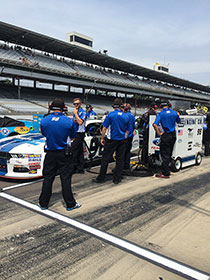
77	205
42	208
79	171
117	181
160	175
97	180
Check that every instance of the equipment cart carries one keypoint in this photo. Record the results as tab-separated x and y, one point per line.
188	147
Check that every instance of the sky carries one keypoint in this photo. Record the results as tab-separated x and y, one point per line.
171	32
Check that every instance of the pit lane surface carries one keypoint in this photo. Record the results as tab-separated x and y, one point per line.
171	217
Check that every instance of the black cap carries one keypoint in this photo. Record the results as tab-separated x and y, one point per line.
165	103
154	105
117	103
57	104
88	106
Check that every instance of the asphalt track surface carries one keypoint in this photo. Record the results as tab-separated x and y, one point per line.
165	216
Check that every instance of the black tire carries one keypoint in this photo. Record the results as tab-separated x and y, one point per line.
176	164
198	159
140	154
151	161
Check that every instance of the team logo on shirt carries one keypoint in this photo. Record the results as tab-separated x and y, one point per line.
55	119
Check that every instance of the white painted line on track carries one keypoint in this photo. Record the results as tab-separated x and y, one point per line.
143	253
21	185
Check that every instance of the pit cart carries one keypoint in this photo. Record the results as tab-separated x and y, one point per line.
188	147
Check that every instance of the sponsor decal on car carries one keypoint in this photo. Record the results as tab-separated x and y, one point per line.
156	141
33	171
155	148
22	129
34	165
33	157
5	131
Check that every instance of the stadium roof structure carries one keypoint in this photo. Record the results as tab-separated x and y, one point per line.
20	36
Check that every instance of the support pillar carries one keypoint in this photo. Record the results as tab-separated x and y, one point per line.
135	100
125	98
19	88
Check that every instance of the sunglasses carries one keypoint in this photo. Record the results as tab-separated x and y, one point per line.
76	104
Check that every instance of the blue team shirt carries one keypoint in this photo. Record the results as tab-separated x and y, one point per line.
83	116
168	119
57	128
91	113
132	125
119	124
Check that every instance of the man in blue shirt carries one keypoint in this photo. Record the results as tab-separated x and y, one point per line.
79	119
57	128
90	113
131	129
168	119
118	122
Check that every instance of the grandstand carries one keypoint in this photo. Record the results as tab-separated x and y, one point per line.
27	55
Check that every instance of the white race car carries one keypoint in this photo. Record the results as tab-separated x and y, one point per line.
22	156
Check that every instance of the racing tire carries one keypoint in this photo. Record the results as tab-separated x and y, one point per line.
140	154
176	164
151	161
198	159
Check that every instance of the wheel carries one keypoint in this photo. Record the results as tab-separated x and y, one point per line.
140	154
176	164
198	159
152	161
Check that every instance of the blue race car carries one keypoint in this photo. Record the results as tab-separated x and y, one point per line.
12	127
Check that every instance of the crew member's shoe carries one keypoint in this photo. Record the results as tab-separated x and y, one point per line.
77	205
117	181
97	180
42	208
160	175
79	171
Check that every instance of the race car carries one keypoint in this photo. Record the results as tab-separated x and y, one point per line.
10	127
22	156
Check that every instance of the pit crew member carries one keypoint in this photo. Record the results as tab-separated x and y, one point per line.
168	119
57	128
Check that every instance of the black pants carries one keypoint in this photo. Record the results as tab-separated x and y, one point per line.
77	150
110	147
207	148
128	152
57	161
144	153
167	141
